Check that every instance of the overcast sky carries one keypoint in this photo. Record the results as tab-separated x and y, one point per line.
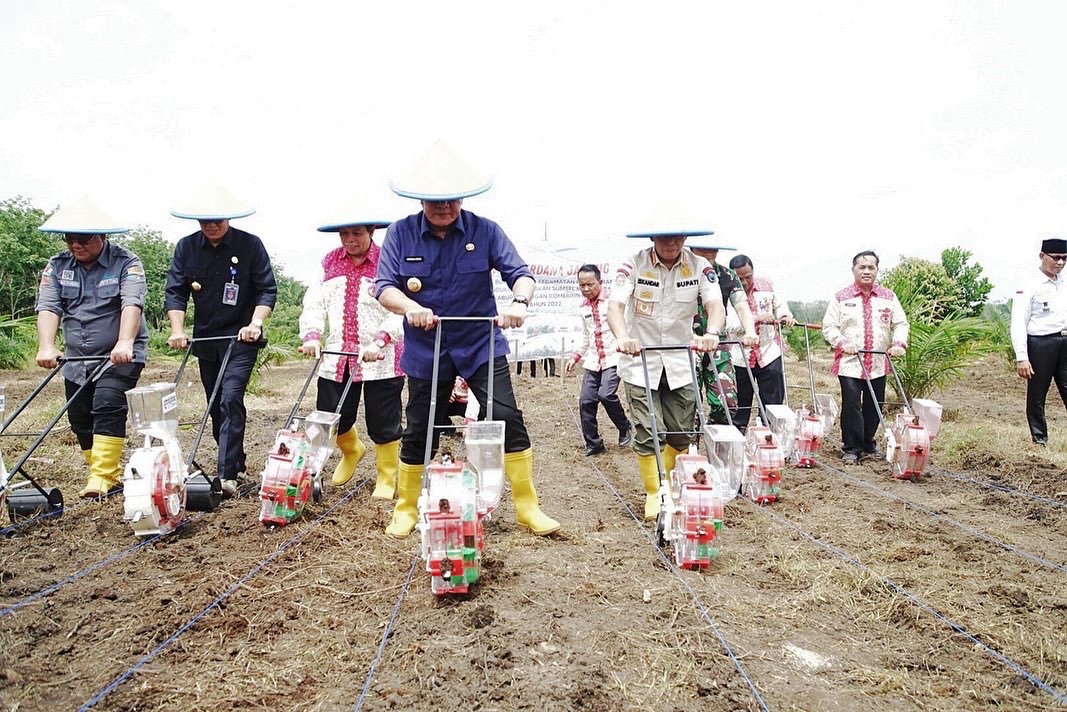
800	132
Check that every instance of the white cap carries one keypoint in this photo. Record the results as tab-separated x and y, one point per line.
440	174
211	201
81	215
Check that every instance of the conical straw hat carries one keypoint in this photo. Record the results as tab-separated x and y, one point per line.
81	215
351	213
706	243
440	174
211	201
670	218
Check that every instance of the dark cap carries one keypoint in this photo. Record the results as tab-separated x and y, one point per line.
1054	246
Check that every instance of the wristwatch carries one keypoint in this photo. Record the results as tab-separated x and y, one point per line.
525	301
258	323
379	342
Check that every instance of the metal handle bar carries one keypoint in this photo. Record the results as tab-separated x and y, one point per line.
431	425
697	399
48	378
751	379
189	352
311	374
893	370
214	392
104	363
866	378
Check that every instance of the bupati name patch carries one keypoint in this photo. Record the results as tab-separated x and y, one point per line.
687	283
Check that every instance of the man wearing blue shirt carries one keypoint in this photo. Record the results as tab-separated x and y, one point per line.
228	274
439	262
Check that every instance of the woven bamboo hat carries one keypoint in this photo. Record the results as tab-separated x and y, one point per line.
81	215
211	201
440	174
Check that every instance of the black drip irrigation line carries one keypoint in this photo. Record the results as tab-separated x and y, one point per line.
114	684
948	520
386	635
1058	695
22	603
1003	489
670	566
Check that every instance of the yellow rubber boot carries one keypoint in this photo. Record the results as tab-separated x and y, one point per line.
88	455
386	460
518	466
669	456
104	470
352	449
650	477
406	513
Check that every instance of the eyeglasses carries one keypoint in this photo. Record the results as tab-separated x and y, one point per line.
81	239
1056	258
211	222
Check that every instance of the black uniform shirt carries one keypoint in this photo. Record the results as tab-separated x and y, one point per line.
203	271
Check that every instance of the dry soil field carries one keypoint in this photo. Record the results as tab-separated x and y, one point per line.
853	592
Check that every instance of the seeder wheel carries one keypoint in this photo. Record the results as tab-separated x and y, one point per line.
27	502
316	488
203	494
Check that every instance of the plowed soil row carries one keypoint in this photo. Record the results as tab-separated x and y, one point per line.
590	619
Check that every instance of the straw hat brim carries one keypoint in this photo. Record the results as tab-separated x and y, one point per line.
441	174
211	201
706	245
82	216
221	215
671	233
371	224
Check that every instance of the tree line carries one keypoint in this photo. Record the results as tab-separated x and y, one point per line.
24	252
946	302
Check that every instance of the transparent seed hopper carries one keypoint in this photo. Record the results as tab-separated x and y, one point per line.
695	513
783	423
154	410
826	409
763	474
154	479
727	447
484	442
451	526
809	437
294	465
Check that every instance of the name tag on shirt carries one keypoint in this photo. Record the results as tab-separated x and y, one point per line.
229	294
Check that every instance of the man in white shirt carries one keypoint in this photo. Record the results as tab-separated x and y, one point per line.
765	359
599	356
1039	334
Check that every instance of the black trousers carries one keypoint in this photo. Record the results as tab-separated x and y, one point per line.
771	383
228	413
1048	358
381	409
859	413
413	442
101	408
